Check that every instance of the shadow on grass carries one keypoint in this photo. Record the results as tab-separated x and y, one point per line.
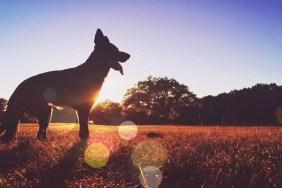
123	172
56	175
10	158
118	172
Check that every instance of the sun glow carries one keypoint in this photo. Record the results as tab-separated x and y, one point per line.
104	94
97	99
113	89
101	96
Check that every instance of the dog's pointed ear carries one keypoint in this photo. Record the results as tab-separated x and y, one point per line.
99	37
106	39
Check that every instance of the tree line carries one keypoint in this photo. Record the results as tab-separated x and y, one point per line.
161	100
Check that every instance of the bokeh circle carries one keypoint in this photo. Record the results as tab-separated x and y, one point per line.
149	153
97	155
127	130
151	177
50	95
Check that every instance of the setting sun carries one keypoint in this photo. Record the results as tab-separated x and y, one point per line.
111	91
102	96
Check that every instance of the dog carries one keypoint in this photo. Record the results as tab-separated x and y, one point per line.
76	87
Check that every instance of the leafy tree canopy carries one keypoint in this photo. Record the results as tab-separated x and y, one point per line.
3	105
106	112
158	98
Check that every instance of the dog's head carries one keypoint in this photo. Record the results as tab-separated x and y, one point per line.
109	51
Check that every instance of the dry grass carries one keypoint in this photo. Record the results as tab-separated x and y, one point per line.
186	156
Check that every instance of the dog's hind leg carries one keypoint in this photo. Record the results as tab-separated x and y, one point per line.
83	115
10	123
43	120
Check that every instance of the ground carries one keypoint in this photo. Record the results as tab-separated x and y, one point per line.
164	156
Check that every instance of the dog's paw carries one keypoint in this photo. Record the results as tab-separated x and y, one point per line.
41	137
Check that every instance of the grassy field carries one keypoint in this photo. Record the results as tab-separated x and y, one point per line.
168	156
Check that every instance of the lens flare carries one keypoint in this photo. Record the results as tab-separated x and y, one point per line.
150	176
96	155
127	130
149	153
50	95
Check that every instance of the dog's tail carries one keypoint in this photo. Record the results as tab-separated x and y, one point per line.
10	122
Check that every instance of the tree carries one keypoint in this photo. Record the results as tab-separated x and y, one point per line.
256	105
64	115
106	112
3	106
157	100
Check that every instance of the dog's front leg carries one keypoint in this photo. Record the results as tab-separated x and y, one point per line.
44	116
83	115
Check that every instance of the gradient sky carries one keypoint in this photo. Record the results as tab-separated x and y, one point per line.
210	46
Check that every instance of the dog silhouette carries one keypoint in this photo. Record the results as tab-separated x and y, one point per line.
76	87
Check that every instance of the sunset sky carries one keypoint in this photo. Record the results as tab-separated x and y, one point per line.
210	46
